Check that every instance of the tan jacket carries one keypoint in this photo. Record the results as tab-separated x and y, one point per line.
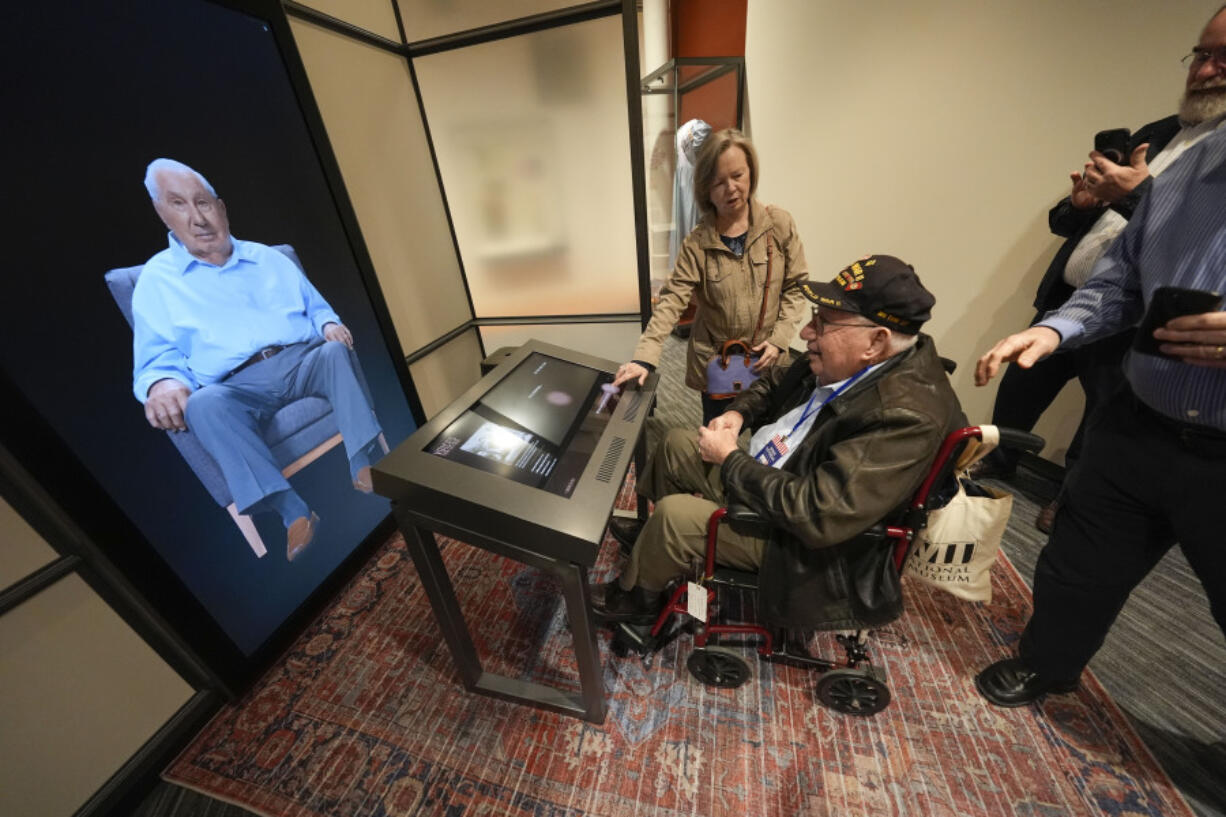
728	291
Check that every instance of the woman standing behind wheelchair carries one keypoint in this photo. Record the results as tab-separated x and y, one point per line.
742	264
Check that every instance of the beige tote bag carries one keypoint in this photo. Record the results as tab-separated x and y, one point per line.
957	549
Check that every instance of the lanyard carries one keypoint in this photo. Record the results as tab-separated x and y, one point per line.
810	411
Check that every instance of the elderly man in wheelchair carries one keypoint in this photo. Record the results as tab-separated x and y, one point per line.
844	437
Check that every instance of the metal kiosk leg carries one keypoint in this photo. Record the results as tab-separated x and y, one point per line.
590	704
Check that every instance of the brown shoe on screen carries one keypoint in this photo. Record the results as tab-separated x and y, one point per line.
299	534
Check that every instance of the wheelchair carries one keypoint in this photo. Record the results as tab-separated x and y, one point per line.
851	684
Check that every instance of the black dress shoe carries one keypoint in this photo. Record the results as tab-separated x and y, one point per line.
626	531
612	604
1012	682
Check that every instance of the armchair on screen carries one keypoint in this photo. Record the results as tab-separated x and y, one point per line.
297	435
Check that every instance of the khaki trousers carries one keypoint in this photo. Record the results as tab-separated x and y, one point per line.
674	540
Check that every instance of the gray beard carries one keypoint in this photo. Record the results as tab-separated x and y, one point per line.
1196	107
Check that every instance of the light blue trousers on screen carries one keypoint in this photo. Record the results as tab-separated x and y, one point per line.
228	417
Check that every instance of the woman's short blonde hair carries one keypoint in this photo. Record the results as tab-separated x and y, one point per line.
708	159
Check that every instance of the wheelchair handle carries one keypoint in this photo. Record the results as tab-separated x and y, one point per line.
1020	440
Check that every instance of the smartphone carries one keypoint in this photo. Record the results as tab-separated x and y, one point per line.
1167	303
1113	144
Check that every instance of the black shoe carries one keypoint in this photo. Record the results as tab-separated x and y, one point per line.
1011	682
612	604
626	531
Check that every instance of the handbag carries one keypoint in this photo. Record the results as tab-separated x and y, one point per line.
728	374
955	551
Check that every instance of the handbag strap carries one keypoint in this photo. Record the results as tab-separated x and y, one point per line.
766	287
729	345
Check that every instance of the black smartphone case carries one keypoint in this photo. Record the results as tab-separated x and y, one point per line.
1167	303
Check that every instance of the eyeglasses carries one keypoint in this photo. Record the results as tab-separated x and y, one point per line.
1200	56
819	324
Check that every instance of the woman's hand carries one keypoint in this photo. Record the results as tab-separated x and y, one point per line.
630	371
769	354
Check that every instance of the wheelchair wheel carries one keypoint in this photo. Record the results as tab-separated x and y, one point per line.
717	667
853	692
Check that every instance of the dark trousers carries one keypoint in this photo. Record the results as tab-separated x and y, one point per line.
1142	484
1024	394
712	408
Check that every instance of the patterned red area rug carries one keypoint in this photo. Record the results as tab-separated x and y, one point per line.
366	716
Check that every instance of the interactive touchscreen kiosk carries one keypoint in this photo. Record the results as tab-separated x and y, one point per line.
538	426
527	464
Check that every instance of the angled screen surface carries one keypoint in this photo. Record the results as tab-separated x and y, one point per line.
537	426
99	90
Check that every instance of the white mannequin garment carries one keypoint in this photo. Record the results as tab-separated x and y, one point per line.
686	214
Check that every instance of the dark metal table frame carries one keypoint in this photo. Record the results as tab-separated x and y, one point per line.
589	704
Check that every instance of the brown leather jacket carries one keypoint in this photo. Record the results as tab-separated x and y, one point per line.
864	458
728	291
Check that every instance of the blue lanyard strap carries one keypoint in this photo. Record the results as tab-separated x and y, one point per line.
810	411
806	414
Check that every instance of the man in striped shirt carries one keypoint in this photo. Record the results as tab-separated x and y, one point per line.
1154	459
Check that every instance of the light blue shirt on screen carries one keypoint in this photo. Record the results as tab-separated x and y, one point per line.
1177	237
196	322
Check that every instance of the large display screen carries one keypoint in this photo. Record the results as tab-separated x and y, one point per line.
538	426
115	289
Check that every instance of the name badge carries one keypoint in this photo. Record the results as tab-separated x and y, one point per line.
773	450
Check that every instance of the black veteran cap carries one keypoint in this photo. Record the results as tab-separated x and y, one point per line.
882	288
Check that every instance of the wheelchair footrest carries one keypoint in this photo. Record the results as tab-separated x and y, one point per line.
633	638
730	577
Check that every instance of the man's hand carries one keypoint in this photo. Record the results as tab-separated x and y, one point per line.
1196	339
732	421
1024	348
339	333
716	445
630	371
769	354
166	403
1110	182
1080	197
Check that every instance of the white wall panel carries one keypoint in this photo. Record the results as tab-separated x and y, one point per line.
366	98
943	132
376	16
614	341
22	550
445	373
82	693
424	19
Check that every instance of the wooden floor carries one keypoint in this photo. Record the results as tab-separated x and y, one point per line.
1164	662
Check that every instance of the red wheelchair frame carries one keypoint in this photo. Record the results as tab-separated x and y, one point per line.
845	686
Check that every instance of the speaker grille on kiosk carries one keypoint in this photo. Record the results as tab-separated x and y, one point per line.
609	466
